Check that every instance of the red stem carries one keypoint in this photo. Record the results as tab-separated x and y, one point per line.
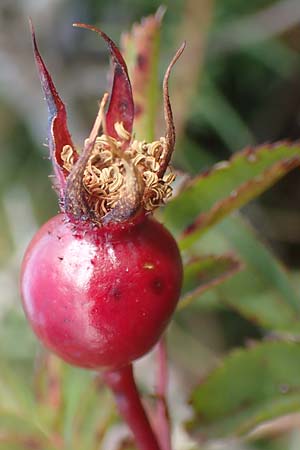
122	383
162	414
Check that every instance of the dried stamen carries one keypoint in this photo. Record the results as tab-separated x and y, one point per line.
108	172
67	156
121	132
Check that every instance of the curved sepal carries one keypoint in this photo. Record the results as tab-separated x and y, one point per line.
170	127
121	107
58	133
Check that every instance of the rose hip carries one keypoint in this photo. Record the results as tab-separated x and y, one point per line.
100	297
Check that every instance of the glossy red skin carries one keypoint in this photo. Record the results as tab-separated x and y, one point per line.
100	298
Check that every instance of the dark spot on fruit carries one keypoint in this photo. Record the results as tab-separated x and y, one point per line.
157	285
116	293
58	237
60	258
49	232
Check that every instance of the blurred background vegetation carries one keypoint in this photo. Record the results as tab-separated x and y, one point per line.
237	85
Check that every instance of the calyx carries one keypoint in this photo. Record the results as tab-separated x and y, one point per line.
115	176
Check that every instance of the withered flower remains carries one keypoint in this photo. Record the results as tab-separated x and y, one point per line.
115	177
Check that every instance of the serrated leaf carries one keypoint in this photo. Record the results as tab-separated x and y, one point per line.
206	272
140	50
249	387
229	185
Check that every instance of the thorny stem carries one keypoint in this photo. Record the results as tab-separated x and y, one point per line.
162	414
122	383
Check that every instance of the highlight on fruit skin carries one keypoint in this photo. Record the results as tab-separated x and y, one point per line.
115	177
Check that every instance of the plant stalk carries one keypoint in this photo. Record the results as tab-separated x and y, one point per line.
121	382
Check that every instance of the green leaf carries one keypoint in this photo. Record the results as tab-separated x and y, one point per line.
228	186
76	382
249	387
263	292
17	426
140	50
14	328
95	415
22	441
215	109
15	391
87	409
204	273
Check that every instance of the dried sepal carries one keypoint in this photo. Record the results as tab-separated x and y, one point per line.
75	196
82	203
170	135
58	133
121	107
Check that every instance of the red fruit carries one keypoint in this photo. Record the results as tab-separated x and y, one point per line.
100	297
